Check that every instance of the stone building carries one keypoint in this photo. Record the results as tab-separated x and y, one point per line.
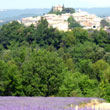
58	8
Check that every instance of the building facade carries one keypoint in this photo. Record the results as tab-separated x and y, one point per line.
58	8
88	21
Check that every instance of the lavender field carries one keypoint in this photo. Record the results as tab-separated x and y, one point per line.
43	103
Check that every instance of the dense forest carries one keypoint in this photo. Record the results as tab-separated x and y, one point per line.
42	61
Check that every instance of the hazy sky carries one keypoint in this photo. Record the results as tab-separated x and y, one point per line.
21	4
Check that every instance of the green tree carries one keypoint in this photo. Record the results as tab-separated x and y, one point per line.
101	38
88	50
43	73
3	82
28	34
104	23
10	81
106	57
76	84
86	67
68	39
46	36
72	23
9	32
68	10
70	85
99	67
104	90
80	34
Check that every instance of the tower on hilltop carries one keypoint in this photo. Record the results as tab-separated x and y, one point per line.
58	8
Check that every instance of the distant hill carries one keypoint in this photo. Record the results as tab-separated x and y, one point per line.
20	13
14	14
101	12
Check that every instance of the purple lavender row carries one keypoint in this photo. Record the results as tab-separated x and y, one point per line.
43	103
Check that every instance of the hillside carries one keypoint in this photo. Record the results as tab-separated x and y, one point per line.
14	14
18	14
102	12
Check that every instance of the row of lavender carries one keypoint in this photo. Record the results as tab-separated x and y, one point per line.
43	108
43	103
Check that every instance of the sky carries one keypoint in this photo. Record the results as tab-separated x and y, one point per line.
22	4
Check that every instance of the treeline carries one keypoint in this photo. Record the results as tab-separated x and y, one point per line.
43	61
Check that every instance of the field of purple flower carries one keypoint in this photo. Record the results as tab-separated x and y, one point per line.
42	103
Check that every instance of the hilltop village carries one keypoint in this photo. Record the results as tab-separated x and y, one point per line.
60	21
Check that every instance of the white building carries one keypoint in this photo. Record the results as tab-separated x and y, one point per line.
88	21
30	20
57	21
107	19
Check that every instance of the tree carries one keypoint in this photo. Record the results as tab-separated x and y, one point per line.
68	39
43	73
29	34
85	67
46	36
76	84
104	90
68	10
99	68
72	23
70	85
104	23
80	34
106	57
88	86
10	81
2	77
69	63
88	50
100	38
9	32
